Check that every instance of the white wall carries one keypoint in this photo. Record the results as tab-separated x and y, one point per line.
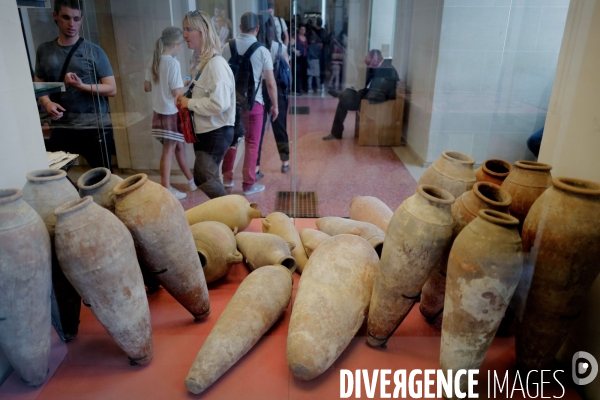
494	69
571	145
422	65
381	36
22	148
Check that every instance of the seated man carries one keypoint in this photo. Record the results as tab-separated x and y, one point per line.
381	86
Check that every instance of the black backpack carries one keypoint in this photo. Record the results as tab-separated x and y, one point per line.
283	75
244	75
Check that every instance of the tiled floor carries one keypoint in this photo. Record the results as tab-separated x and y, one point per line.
337	170
93	367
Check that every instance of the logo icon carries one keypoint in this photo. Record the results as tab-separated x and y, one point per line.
584	368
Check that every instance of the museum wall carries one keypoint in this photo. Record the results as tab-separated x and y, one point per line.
22	147
490	79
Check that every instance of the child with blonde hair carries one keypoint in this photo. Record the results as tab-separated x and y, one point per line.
165	74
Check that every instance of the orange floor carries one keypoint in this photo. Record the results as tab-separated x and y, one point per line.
93	367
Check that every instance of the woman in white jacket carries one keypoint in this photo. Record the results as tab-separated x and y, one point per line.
212	102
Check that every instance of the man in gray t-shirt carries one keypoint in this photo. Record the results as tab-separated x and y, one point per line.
80	116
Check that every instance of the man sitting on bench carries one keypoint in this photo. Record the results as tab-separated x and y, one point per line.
382	78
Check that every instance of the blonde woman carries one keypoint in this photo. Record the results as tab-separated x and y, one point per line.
212	101
165	74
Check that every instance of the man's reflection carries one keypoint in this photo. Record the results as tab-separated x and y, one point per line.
80	116
381	86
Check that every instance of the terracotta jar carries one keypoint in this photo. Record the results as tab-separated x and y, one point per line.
98	183
561	240
97	254
331	303
494	171
45	190
483	196
216	248
371	209
311	239
25	286
233	210
260	249
337	226
526	182
418	235
484	269
260	300
163	240
281	225
453	172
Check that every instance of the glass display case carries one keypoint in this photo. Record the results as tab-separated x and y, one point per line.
388	101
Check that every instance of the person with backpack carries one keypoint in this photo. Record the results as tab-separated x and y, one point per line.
251	63
283	77
212	102
164	73
281	29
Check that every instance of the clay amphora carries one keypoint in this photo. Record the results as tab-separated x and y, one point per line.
97	254
98	183
45	190
233	210
281	225
331	303
25	286
417	236
494	171
311	239
561	238
337	226
526	182
260	249
371	209
260	300
163	240
216	248
453	172
484	195
484	269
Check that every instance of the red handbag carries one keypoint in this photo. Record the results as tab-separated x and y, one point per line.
186	124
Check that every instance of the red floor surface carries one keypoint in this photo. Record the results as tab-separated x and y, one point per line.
93	367
337	170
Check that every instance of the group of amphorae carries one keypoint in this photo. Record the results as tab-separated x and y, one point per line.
463	244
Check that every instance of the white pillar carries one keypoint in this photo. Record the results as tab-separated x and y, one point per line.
22	148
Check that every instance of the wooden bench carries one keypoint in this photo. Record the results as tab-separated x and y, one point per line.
381	124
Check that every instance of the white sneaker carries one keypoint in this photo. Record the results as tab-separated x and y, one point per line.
177	193
228	184
192	185
255	189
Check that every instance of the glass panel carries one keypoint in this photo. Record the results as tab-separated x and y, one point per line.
472	78
76	118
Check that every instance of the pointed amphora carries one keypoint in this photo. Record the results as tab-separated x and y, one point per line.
371	209
97	254
260	300
25	286
44	191
281	225
233	210
418	234
331	303
163	240
261	249
216	248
